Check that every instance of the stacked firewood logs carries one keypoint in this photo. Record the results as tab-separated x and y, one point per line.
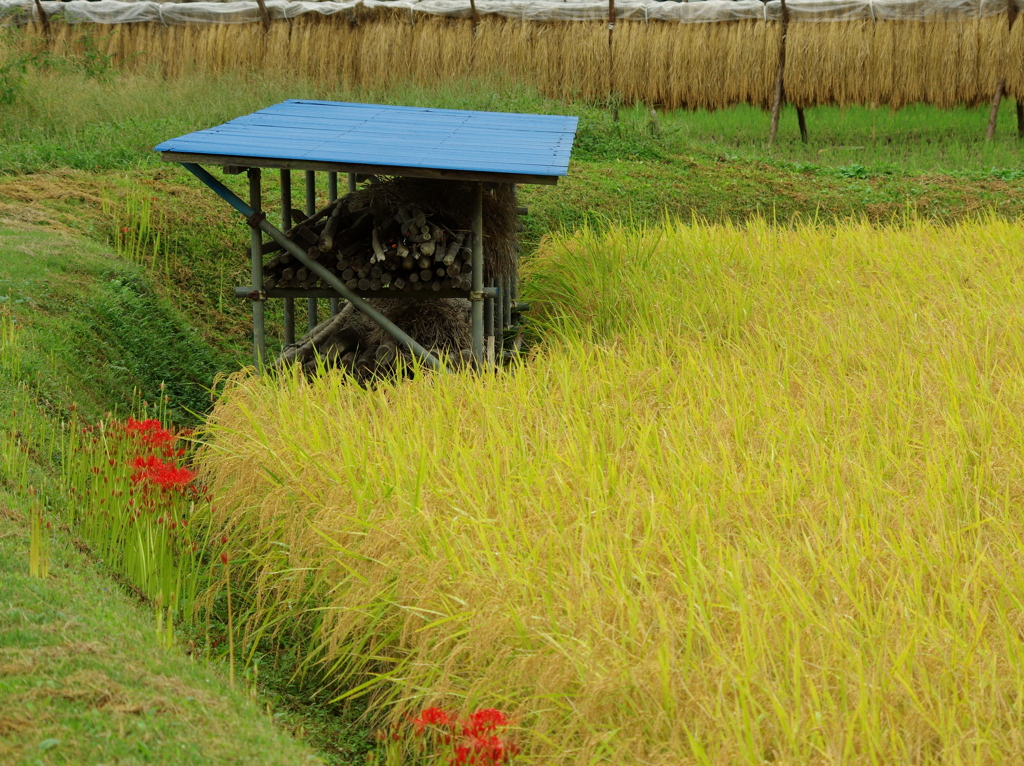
369	250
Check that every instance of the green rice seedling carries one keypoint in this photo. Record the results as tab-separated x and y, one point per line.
10	345
137	233
39	540
754	496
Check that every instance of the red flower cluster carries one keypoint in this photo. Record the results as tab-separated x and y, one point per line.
150	431
431	716
484	721
155	471
484	751
481	743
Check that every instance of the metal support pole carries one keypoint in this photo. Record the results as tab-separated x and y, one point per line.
506	301
332	186
499	332
476	295
351	182
513	288
489	328
312	309
286	223
335	306
259	346
258	221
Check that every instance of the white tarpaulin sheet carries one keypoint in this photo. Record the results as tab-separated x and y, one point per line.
247	11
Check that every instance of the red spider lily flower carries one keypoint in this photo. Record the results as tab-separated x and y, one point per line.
484	721
150	431
484	751
431	716
164	475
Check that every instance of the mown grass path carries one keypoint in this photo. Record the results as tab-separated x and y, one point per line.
83	679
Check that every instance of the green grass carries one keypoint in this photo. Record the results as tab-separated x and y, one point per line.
97	330
914	140
84	680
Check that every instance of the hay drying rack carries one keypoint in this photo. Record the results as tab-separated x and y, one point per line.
483	148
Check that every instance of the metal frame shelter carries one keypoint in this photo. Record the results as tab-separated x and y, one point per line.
368	139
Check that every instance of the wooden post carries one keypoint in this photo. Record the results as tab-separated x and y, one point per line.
476	296
476	16
312	310
802	121
43	20
489	329
611	61
259	348
993	115
264	15
286	223
1011	18
780	90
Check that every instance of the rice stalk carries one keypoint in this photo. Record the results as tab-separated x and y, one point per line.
754	499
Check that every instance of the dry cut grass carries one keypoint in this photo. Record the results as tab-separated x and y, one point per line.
755	498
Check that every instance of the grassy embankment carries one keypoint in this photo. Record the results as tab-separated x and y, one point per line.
84	677
753	499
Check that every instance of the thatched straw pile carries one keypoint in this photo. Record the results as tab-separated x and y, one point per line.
945	61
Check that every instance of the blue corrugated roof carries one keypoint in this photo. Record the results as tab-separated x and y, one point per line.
391	136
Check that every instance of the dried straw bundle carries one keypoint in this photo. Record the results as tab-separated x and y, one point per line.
1012	60
943	61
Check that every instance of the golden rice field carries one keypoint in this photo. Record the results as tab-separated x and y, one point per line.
756	498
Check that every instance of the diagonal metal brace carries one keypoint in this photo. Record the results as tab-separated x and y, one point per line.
278	236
